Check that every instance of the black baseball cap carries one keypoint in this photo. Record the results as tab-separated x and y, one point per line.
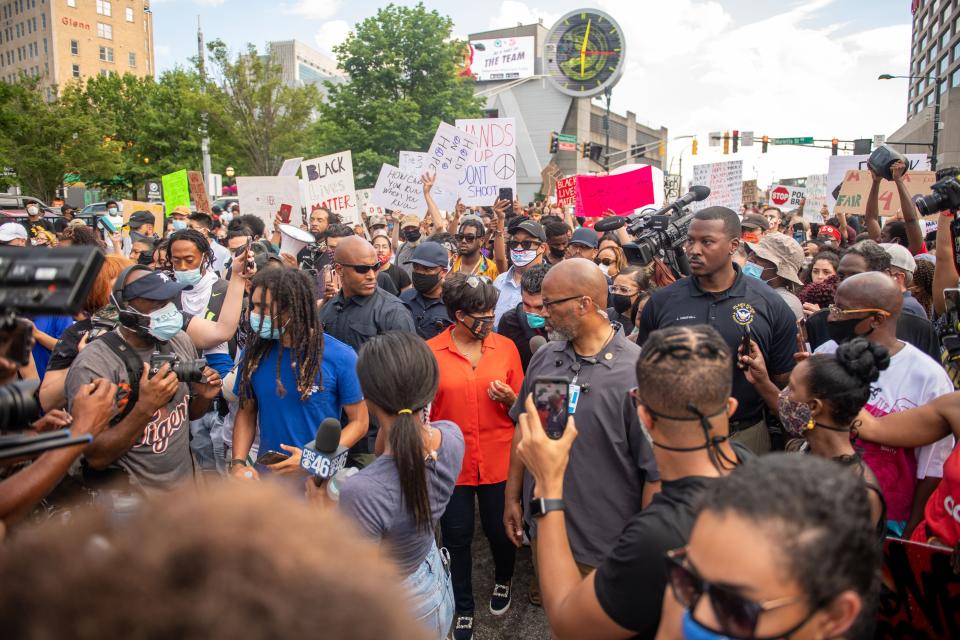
430	254
585	236
533	228
140	218
154	286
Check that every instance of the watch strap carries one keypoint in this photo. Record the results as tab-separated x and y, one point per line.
542	506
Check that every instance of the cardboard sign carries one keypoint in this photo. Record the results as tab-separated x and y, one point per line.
493	164
263	196
839	165
856	188
548	179
786	196
450	152
725	180
329	183
749	192
399	191
290	166
566	191
366	207
816	186
415	162
176	190
127	207
920	595
622	193
198	192
502	58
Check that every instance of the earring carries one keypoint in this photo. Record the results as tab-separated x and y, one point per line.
810	425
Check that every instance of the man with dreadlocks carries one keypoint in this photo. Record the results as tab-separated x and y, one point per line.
682	398
292	376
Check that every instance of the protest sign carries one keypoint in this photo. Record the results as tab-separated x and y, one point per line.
366	207
786	196
329	184
502	58
415	162
856	188
398	191
622	193
263	196
449	153
725	180
290	166
493	164
198	192
549	176
566	191
839	165
816	186
127	207
749	192
176	190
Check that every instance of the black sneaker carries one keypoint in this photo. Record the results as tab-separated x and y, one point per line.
463	629
500	599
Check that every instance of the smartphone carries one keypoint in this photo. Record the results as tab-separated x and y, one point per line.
239	250
106	224
272	457
506	193
951	300
552	399
285	211
744	348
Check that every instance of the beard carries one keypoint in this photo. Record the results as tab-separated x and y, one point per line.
561	335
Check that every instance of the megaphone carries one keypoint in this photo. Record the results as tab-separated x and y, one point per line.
293	240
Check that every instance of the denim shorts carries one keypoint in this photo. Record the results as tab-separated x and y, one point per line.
431	594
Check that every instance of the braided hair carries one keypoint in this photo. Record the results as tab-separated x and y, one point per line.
294	294
195	237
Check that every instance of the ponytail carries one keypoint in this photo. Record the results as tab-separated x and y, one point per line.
407	445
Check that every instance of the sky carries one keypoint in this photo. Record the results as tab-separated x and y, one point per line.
783	68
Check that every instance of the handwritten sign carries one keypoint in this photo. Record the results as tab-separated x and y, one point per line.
127	207
840	165
493	164
725	180
329	184
198	191
566	191
415	162
749	192
398	191
816	185
176	190
263	196
622	193
856	188
290	166
367	208
920	594
448	156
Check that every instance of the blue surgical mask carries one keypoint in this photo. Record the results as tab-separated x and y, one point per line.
263	325
165	322
693	630
191	276
112	211
752	269
179	225
535	321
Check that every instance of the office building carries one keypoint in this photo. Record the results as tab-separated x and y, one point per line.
303	65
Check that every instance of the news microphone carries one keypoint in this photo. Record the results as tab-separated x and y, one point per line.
696	194
609	223
324	457
536	342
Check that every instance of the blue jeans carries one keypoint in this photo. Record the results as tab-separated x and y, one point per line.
431	594
206	441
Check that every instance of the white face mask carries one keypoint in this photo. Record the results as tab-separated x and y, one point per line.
605	268
521	258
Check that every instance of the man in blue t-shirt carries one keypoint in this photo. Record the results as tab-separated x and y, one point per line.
314	379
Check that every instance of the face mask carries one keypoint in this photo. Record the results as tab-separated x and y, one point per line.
191	276
795	416
751	236
557	253
32	211
112	211
693	630
521	258
605	268
536	322
425	282
843	330
479	327
166	322
752	270
384	259
263	325
411	235
225	218
622	303
179	225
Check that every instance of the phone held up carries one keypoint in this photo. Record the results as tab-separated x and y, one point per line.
506	193
551	396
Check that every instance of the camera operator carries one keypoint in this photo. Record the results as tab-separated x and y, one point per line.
150	442
719	294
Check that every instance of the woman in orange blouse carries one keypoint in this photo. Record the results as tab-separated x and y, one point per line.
480	376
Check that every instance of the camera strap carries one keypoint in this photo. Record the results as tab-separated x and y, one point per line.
134	365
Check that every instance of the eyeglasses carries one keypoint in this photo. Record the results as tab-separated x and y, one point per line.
462	237
362	268
550	303
526	245
606	261
837	312
736	615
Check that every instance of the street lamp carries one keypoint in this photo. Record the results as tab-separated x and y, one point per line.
936	110
229	172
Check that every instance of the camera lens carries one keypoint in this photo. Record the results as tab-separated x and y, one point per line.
928	204
18	405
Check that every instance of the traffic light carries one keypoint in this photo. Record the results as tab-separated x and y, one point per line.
584	149
554	143
596	152
834	145
693	151
661	150
736	140
726	142
765	140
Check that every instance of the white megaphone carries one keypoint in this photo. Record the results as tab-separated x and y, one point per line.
293	240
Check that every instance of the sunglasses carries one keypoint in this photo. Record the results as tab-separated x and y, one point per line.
837	312
607	261
736	615
362	268
460	237
526	245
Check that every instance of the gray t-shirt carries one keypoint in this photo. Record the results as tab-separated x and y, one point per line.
792	301
161	457
373	498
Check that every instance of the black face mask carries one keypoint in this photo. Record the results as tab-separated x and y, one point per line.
622	303
424	282
558	253
411	235
844	330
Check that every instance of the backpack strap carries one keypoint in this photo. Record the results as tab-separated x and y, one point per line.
134	366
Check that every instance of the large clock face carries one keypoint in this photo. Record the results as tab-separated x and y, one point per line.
584	53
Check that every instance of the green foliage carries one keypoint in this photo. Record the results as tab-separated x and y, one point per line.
403	81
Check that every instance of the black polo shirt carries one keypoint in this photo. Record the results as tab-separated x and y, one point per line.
749	302
355	320
429	314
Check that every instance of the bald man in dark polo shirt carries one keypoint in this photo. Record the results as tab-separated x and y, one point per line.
720	295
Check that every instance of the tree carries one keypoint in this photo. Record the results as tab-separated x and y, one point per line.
264	118
403	81
42	140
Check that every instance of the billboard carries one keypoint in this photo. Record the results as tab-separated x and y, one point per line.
501	58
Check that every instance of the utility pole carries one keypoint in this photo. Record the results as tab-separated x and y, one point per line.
936	121
204	139
606	127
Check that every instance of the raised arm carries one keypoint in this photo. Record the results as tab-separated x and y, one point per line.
910	217
917	427
499	231
945	274
872	214
432	209
207	334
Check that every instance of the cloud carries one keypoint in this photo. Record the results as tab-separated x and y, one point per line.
331	33
513	12
313	9
163	51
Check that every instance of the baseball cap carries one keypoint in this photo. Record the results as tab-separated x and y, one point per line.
140	218
754	221
154	286
376	221
529	226
586	237
182	210
783	251
430	254
409	221
900	257
829	230
12	231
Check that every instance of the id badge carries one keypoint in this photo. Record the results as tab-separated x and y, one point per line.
574	393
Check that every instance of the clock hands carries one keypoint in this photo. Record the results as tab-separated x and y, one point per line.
583	48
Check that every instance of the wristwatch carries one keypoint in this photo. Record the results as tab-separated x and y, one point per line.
236	462
541	506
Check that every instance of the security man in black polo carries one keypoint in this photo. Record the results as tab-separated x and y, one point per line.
740	307
430	265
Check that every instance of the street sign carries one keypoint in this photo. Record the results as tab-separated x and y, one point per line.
792	140
714	138
566	137
567	146
879	139
746	138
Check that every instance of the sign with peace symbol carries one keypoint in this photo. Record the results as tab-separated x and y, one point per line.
505	166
